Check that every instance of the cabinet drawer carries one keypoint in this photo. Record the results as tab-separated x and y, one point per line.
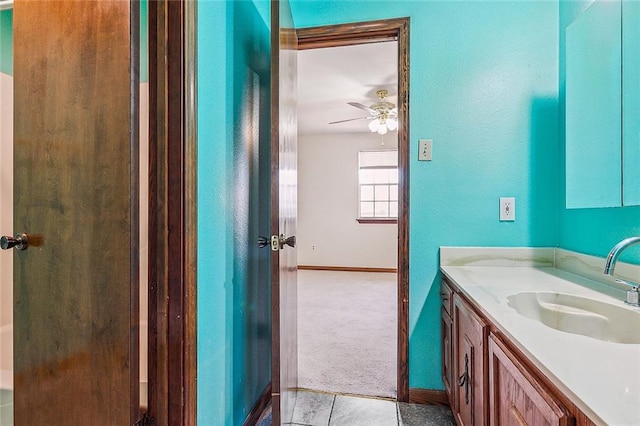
515	397
446	294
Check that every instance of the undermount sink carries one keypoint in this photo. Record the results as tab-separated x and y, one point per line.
579	315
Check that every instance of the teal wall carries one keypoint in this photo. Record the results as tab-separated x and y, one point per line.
484	87
6	42
590	231
234	334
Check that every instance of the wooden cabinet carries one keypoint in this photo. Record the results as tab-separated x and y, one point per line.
469	343
487	380
446	325
515	396
447	354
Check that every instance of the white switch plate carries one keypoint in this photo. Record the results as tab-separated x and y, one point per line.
425	149
507	208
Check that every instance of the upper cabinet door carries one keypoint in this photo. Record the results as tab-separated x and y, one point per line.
593	107
631	103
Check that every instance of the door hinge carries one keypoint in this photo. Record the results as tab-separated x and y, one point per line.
146	420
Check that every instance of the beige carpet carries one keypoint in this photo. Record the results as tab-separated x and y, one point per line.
347	332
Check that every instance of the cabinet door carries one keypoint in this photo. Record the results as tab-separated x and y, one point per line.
631	103
447	355
516	398
593	107
470	365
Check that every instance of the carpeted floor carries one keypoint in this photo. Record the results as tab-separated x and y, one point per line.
347	327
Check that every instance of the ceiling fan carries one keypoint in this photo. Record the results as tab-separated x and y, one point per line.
383	114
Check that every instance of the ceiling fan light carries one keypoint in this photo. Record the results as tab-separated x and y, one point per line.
382	129
392	124
374	125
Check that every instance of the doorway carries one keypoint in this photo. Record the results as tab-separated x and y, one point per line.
347	219
370	33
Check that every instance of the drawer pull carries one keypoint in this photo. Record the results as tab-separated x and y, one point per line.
463	380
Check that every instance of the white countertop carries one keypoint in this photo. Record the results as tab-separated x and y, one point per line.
601	378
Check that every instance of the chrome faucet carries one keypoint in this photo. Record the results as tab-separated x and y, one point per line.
633	295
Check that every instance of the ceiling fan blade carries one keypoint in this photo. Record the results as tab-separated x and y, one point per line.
363	107
350	119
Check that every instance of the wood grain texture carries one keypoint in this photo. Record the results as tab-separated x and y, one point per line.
350	34
515	396
375	32
428	397
76	312
446	324
261	404
172	192
533	373
469	359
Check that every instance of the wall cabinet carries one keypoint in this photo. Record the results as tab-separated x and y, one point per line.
602	105
487	381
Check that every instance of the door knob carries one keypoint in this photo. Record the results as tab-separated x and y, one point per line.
276	242
21	242
263	241
290	241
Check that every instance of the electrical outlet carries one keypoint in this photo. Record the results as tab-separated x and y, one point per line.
507	208
425	149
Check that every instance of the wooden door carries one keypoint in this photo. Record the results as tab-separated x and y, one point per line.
76	196
284	297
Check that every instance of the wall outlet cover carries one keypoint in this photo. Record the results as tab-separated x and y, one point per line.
507	209
425	149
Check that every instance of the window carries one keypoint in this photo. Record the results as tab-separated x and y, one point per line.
378	185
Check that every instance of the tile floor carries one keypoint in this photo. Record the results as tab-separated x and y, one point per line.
325	409
6	407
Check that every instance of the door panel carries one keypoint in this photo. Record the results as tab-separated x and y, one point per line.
284	211
75	184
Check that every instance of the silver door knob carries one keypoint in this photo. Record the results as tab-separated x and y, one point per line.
290	241
20	242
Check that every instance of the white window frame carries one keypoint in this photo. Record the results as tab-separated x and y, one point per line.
377	183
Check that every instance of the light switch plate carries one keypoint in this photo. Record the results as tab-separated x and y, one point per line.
425	149
507	209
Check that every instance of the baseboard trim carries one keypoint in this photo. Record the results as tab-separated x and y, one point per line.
346	268
428	397
261	404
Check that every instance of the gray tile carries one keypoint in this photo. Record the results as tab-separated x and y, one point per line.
312	408
6	415
6	397
424	415
352	411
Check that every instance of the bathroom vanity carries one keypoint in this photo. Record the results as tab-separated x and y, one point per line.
525	340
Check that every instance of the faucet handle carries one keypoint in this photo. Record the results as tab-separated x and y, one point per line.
633	297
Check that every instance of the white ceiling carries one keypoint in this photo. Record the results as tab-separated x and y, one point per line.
328	78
